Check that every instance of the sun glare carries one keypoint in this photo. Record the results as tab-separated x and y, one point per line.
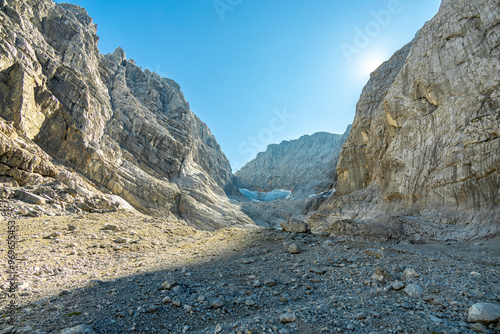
370	64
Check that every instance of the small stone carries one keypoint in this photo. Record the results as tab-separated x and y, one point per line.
360	316
328	243
217	303
377	253
218	329
478	328
250	302
80	329
413	290
475	274
110	227
294	249
54	235
168	285
188	308
72	228
121	240
409	274
269	283
28	197
382	275
287	318
256	284
398	285
177	289
485	313
176	302
167	300
294	225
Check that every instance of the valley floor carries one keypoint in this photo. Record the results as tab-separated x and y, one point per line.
123	272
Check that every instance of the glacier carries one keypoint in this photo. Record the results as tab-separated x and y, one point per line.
260	196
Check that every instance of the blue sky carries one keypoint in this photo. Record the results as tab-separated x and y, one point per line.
262	71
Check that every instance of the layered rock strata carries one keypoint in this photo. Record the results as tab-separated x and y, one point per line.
128	131
423	156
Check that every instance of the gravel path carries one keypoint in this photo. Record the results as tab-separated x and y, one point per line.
127	273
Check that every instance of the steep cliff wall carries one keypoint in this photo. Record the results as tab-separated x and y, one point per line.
127	130
423	156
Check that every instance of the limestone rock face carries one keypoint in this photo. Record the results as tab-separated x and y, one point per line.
127	130
306	164
423	155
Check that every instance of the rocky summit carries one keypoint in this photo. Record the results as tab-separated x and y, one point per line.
127	218
291	179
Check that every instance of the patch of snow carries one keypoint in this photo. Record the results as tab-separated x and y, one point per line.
259	196
324	193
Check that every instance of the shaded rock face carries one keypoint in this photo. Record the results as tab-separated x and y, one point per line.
125	129
305	166
423	155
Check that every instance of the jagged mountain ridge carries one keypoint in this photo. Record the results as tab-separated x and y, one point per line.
128	131
423	154
306	165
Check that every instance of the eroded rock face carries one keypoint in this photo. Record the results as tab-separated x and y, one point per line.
423	155
127	130
303	165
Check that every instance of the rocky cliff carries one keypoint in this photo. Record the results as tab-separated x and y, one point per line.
305	166
423	156
127	131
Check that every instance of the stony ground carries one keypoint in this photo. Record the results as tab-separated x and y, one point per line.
122	272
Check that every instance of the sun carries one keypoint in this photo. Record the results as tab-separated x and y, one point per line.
370	64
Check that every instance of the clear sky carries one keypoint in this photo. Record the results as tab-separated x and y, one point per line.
262	71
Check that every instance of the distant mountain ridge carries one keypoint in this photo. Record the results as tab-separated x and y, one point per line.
305	165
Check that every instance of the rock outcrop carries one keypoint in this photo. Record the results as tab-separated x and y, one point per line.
423	155
305	166
130	132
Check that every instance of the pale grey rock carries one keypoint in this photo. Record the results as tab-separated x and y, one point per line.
294	225
484	313
168	285
413	290
80	329
382	275
28	197
121	240
478	327
423	153
377	253
397	285
288	317
409	274
294	249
